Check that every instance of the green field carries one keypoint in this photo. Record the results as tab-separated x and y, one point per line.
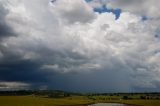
141	102
41	101
135	100
73	100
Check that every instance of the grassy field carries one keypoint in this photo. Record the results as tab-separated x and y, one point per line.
142	102
135	102
73	100
42	101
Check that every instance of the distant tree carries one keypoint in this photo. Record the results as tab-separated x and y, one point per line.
142	97
148	98
125	97
66	95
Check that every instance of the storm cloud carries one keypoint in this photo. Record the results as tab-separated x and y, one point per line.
5	28
67	45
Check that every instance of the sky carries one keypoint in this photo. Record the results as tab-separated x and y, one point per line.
80	45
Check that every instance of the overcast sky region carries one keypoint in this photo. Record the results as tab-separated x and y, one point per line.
80	45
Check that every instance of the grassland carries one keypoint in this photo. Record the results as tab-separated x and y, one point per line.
134	100
42	101
141	102
73	100
61	98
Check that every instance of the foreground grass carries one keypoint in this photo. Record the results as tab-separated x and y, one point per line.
135	102
74	100
41	101
142	102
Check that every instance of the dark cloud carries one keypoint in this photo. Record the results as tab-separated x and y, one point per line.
13	67
5	29
21	71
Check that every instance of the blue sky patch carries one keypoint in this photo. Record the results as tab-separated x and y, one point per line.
103	9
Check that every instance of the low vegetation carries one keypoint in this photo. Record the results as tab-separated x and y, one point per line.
60	98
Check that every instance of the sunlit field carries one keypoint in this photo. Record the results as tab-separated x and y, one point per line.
41	101
73	100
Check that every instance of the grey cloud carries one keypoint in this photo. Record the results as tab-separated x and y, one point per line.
13	85
144	7
5	29
93	52
76	11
